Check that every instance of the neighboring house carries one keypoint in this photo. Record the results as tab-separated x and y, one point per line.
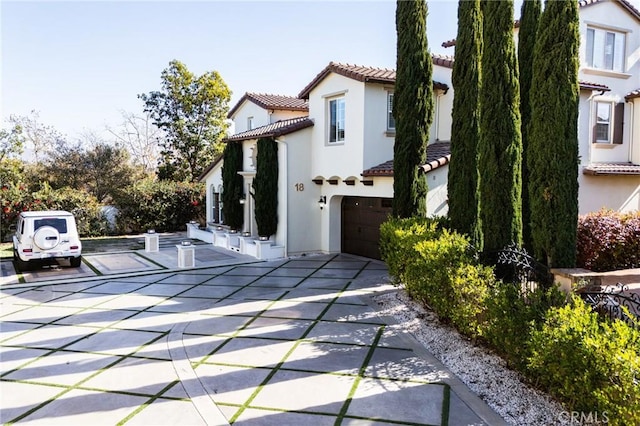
336	180
336	138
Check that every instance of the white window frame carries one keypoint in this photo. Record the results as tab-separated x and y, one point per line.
602	122
250	123
391	122
605	49
336	135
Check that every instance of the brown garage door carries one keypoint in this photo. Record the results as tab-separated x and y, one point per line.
361	219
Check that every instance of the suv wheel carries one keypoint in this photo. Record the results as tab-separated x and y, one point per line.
20	265
75	261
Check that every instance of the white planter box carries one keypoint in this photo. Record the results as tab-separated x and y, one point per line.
186	256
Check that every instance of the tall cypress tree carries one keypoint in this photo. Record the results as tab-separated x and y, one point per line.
529	18
553	148
412	108
232	185
265	187
500	149
465	129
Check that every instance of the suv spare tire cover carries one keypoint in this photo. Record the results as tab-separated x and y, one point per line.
46	237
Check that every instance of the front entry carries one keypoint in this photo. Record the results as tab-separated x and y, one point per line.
361	219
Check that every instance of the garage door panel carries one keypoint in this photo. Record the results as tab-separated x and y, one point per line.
361	219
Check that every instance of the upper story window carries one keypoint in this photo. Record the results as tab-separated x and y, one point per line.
391	122
608	122
605	49
249	123
336	119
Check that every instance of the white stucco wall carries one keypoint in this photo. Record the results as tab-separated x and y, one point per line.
278	115
213	183
634	111
246	110
378	143
620	193
441	127
437	197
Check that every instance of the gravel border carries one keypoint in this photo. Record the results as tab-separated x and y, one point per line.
485	373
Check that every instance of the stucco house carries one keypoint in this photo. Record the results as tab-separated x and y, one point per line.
335	142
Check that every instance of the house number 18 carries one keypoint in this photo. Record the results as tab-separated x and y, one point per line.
299	187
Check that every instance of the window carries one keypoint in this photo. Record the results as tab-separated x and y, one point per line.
605	49
336	120
391	122
250	123
608	122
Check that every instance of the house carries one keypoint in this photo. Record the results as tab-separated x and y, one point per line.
336	177
335	143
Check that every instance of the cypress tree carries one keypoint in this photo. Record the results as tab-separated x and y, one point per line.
500	149
553	148
465	130
412	108
232	185
529	18
265	187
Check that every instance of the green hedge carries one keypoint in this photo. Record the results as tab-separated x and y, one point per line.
165	206
592	365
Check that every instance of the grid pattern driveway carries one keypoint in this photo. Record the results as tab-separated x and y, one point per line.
290	342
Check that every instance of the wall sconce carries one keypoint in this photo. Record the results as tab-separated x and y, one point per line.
243	199
322	201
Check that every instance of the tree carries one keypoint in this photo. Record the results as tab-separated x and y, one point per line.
465	129
265	187
41	140
530	16
140	137
11	146
500	149
412	108
108	172
553	148
232	185
191	111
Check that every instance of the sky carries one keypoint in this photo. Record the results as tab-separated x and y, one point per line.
80	63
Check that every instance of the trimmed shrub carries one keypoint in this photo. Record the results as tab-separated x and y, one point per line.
161	205
265	187
592	365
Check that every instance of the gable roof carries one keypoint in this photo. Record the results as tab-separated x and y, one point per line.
273	130
358	73
205	172
268	101
438	154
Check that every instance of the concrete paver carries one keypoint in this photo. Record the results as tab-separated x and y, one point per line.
231	341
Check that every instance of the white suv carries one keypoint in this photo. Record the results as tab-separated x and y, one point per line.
46	235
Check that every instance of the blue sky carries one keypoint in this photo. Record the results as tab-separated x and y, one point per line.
79	63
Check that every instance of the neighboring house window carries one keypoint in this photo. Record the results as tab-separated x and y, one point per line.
608	122
391	122
336	120
605	49
250	123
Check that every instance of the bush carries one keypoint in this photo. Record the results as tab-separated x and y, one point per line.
608	240
511	317
17	198
593	365
165	206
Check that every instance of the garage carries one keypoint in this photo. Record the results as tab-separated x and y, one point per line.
361	219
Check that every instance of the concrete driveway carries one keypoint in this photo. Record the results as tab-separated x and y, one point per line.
296	341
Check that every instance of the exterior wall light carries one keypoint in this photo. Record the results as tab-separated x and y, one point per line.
322	201
243	199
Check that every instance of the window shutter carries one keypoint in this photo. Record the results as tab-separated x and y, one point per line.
618	117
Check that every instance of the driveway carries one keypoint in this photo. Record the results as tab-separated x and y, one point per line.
232	340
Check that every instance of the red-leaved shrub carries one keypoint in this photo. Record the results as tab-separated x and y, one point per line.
608	241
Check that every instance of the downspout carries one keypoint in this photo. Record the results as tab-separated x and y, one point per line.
284	172
631	129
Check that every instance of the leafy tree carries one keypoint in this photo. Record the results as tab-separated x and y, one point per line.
232	185
265	187
500	148
41	140
530	16
412	108
108	172
553	148
465	129
11	146
65	167
191	111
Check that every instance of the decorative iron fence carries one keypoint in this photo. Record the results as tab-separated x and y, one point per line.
513	264
613	301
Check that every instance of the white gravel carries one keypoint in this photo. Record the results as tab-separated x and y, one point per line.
485	373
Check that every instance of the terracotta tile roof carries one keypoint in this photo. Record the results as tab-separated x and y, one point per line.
604	169
359	73
279	128
587	85
268	101
449	43
442	60
438	154
624	3
632	95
